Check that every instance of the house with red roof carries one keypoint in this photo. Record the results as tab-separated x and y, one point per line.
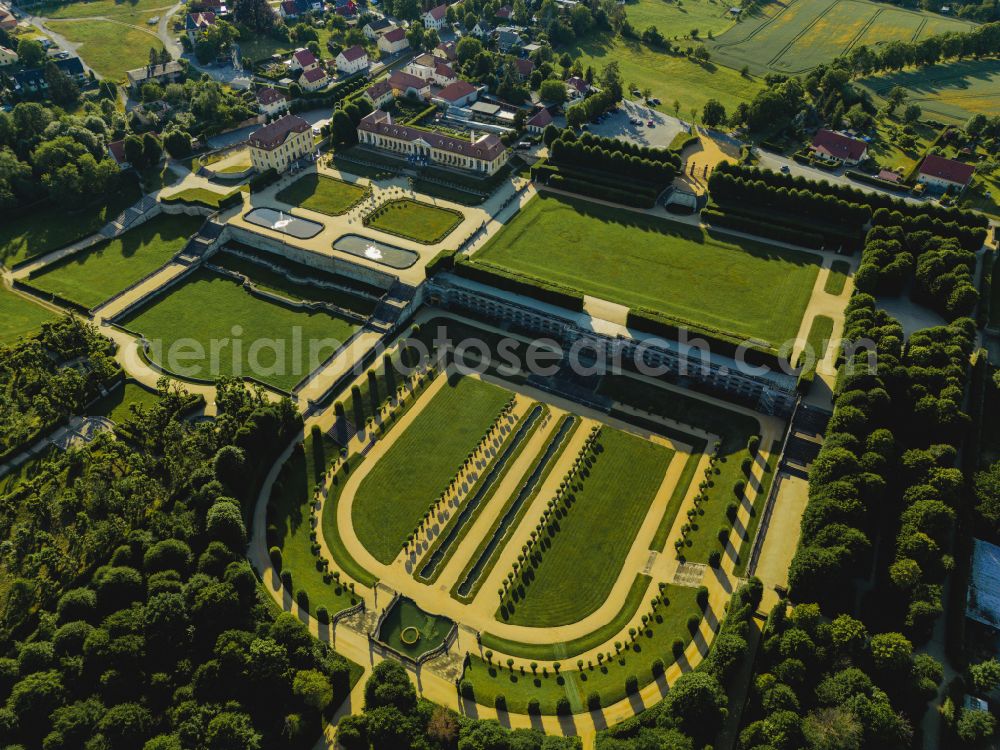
457	94
278	145
576	88
838	147
314	79
524	68
117	151
538	121
288	9
435	18
302	60
352	59
404	84
271	102
939	172
393	41
379	94
195	23
446	51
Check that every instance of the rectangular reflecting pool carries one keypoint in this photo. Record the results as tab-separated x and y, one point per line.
379	252
279	221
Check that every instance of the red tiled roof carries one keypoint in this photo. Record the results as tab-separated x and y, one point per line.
437	13
354	53
444	70
503	12
271	136
305	58
290	7
455	91
117	149
838	145
579	84
947	169
403	81
448	50
524	66
316	74
378	90
488	147
394	35
268	96
540	119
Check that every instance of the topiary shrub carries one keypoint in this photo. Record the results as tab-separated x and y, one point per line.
500	703
693	622
702	596
594	701
722	534
322	615
286	579
739	488
753	444
677	648
714	558
631	684
534	708
731	510
658	667
275	554
563	707
747	465
468	692
303	599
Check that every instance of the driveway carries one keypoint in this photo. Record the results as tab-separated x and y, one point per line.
617	125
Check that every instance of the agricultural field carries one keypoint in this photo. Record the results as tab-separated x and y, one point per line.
741	287
414	220
19	316
323	194
206	307
109	47
93	276
669	77
393	497
678	18
794	37
129	10
951	93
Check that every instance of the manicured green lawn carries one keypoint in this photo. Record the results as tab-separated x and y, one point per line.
48	228
323	194
738	286
208	197
733	429
567	649
395	495
756	511
19	316
837	277
289	509
205	308
952	92
608	680
115	406
109	48
995	294
131	10
584	556
677	498
818	338
93	276
420	222
669	77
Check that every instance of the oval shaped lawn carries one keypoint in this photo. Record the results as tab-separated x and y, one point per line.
395	494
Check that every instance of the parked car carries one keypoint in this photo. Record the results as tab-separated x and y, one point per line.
657	102
651	124
785	169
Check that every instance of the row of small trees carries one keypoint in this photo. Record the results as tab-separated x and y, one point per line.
618	163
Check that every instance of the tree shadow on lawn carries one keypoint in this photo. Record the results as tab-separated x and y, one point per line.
958	76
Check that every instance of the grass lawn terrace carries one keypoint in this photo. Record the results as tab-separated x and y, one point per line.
108	47
584	558
95	275
20	316
420	222
738	286
324	194
206	307
396	493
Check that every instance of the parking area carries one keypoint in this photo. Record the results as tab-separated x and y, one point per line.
631	122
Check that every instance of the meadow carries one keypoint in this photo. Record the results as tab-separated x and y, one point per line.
678	18
19	316
207	307
92	276
109	47
952	93
739	286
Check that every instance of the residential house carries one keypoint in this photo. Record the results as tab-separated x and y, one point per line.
375	27
314	79
162	74
435	18
484	154
379	94
271	102
278	145
195	23
504	13
430	68
939	172
289	9
345	8
457	94
393	41
508	38
218	7
447	51
352	60
302	60
539	121
576	88
32	83
482	30
116	149
73	67
524	68
7	20
404	84
7	56
838	147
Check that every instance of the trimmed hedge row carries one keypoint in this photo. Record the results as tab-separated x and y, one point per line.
623	165
850	241
867	179
663	155
768	230
443	261
970	237
664	326
852	194
604	192
534	288
234	198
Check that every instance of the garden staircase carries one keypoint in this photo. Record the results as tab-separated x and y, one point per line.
127	218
